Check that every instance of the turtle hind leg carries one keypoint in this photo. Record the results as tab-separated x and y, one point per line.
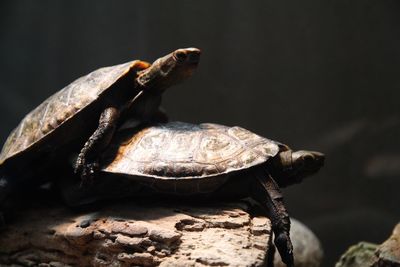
265	191
87	163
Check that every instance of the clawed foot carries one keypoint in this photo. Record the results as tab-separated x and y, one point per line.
285	248
87	171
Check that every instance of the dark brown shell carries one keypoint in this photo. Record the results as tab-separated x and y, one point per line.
61	107
183	150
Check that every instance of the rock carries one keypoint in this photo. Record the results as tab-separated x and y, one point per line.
307	248
371	255
388	253
137	234
360	255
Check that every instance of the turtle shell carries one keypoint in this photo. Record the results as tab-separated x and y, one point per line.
188	151
36	128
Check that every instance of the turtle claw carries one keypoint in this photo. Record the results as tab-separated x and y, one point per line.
87	171
285	248
78	167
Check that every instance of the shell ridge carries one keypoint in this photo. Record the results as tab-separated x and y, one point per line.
69	96
44	115
20	130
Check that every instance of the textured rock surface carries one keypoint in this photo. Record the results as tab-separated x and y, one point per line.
371	255
360	255
132	233
388	253
307	248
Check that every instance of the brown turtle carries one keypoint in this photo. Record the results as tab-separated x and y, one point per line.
210	160
83	116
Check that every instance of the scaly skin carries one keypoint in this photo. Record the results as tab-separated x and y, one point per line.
267	193
87	162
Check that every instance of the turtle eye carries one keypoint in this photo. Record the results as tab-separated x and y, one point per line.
180	56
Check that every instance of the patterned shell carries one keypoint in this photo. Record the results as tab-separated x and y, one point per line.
178	149
61	107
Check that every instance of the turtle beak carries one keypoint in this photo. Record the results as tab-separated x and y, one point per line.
308	161
187	55
312	160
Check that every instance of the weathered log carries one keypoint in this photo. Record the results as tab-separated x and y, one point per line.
133	233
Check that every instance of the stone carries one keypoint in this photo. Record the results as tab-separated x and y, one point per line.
360	255
372	255
388	253
138	233
307	248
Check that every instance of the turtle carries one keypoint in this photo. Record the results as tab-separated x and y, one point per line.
82	117
207	160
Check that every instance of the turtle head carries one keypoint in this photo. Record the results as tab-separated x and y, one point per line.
307	162
294	166
169	70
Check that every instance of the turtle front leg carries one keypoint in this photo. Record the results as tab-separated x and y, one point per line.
267	193
87	162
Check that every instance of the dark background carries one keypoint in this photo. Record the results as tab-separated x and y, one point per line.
320	75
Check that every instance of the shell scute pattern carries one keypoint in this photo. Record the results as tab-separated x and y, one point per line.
150	146
183	150
216	147
181	147
61	106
